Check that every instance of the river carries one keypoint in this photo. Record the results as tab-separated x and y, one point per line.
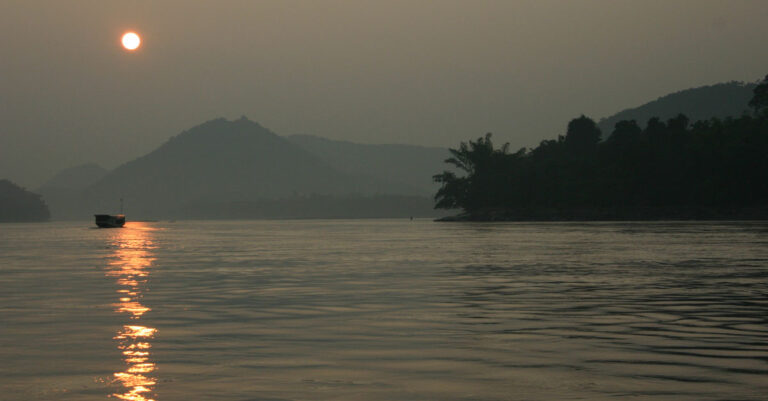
384	310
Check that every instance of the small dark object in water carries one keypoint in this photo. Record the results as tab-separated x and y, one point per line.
110	220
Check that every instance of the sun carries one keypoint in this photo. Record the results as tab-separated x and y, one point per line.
131	41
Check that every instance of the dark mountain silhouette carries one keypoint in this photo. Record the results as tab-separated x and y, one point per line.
404	164
702	103
215	165
19	205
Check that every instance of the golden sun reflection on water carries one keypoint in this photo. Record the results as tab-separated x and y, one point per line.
130	267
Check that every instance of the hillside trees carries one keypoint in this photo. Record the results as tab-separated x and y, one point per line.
486	171
670	169
759	101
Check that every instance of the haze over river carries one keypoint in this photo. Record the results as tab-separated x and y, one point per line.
384	310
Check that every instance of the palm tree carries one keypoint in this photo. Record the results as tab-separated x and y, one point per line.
480	162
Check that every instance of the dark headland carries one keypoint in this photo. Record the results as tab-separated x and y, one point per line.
664	169
19	205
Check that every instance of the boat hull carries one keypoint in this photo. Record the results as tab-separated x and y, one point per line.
110	220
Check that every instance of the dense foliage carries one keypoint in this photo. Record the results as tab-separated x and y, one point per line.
702	103
716	168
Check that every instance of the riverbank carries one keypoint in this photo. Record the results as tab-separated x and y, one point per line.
615	214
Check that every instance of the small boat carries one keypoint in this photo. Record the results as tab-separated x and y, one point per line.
110	220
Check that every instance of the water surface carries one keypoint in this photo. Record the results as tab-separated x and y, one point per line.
384	310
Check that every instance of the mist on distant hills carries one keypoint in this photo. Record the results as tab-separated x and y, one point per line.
230	168
73	178
222	163
63	191
405	164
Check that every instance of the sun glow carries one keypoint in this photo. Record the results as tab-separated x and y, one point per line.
131	41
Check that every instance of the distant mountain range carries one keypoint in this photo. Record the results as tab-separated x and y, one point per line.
63	192
410	165
220	165
238	168
702	103
74	178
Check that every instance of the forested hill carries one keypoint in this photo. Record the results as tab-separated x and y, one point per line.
702	103
669	169
20	205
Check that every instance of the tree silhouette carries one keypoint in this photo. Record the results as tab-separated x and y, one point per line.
482	166
708	169
582	135
759	100
625	131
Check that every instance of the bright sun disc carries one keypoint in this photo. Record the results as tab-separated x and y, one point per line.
131	41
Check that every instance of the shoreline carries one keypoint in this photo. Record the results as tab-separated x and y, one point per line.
564	215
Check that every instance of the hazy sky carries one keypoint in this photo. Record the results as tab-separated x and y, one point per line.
420	72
